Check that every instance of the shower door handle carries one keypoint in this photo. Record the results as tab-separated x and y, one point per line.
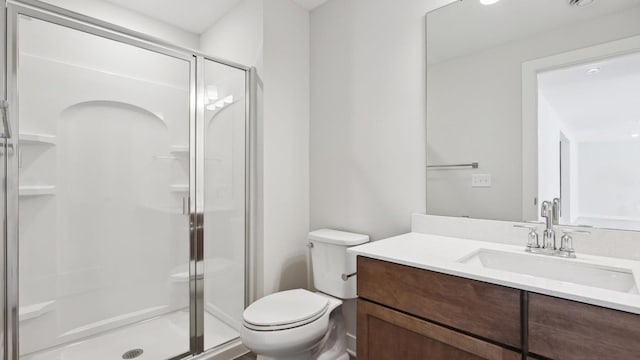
4	107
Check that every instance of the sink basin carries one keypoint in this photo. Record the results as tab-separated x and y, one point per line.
541	266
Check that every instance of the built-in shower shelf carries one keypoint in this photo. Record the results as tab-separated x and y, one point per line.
180	188
212	267
37	190
180	277
36	139
33	311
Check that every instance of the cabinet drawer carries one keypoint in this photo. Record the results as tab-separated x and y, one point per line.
563	329
486	310
387	334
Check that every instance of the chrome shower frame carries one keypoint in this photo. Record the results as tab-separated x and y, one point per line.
11	10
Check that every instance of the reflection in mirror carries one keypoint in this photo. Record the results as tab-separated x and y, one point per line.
588	129
541	95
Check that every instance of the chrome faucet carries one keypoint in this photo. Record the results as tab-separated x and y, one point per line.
548	236
550	210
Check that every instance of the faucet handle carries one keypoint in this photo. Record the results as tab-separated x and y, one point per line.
532	240
566	241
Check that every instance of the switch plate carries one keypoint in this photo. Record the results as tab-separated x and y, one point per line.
481	180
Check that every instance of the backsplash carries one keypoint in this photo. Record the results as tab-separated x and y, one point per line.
601	242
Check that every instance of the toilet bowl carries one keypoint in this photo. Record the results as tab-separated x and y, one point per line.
297	334
302	325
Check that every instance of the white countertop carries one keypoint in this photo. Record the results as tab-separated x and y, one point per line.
441	254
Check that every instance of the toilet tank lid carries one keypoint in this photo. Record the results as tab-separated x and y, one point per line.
336	237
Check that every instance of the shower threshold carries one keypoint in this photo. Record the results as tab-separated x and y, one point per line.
159	338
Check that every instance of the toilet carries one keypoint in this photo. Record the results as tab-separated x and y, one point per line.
300	324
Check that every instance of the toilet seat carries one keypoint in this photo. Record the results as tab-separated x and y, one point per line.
285	310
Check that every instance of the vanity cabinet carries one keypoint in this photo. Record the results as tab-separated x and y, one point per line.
564	329
384	333
410	313
427	315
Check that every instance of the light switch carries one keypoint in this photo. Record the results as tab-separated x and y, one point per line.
481	180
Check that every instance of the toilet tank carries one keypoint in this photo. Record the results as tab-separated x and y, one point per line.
330	260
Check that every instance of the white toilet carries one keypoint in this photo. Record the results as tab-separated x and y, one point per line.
300	324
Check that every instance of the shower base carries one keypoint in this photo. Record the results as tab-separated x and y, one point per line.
158	338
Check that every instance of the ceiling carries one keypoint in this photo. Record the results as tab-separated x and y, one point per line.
602	106
310	4
466	27
195	16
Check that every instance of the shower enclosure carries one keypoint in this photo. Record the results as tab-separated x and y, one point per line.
126	198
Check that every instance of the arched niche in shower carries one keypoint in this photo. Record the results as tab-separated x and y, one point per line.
108	181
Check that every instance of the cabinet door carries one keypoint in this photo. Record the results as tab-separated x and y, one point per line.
563	329
486	310
386	334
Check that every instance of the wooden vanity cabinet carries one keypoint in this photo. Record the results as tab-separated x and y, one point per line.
385	334
410	313
564	329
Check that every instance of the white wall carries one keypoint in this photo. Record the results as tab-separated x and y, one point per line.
610	186
132	20
238	35
286	144
367	131
367	145
283	64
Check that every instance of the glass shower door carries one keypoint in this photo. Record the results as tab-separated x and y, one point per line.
104	174
225	220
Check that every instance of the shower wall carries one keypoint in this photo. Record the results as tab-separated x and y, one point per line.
104	169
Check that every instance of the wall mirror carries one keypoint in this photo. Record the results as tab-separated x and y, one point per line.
530	100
